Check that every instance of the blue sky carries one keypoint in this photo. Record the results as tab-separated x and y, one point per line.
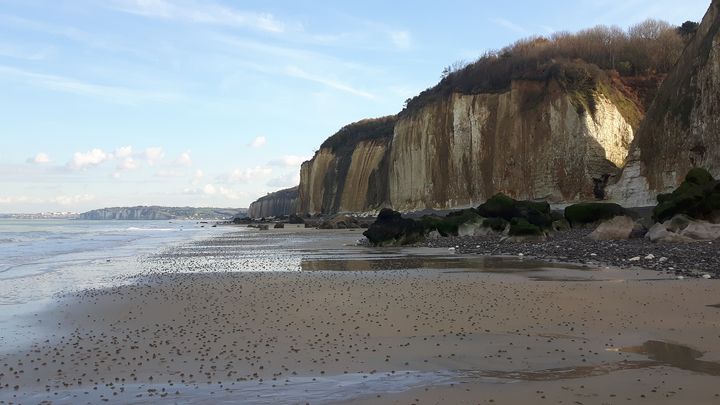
215	103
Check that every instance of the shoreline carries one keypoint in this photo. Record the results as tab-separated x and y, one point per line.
231	317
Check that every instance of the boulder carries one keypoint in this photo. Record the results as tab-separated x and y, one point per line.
391	229
560	225
340	222
584	214
279	225
697	197
495	224
450	224
294	219
617	228
701	230
660	233
522	227
682	228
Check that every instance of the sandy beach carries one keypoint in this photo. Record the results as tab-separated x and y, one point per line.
261	317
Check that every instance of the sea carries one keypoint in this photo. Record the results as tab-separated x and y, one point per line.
42	259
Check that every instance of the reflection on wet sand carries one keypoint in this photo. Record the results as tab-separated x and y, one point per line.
659	354
481	264
674	355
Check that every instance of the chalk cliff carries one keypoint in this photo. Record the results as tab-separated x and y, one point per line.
544	139
283	202
682	127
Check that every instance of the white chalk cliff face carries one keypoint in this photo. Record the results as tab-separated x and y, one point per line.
533	141
682	127
463	151
282	202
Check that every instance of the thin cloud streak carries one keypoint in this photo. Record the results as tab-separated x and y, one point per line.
203	13
122	95
510	25
296	72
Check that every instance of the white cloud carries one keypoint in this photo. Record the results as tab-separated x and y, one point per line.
72	199
170	173
154	155
184	159
289	161
124	151
294	71
245	175
14	200
60	199
401	39
287	180
232	194
198	176
202	12
94	157
258	142
40	158
128	164
209	189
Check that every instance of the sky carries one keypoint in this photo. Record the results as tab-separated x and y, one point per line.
218	102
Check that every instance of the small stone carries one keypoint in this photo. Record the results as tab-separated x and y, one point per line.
634	259
681	277
650	256
593	254
706	276
662	259
520	254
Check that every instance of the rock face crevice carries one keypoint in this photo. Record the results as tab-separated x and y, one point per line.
283	202
681	129
533	141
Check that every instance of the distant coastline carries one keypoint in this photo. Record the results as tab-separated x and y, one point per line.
140	213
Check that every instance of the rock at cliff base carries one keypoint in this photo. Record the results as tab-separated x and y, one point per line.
506	208
340	222
279	225
296	220
499	206
522	227
697	197
391	228
617	228
682	228
496	224
583	214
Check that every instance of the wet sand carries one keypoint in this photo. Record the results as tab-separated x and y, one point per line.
218	322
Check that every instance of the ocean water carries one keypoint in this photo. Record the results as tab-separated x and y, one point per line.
41	259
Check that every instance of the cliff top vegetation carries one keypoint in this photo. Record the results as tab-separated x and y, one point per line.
365	130
576	59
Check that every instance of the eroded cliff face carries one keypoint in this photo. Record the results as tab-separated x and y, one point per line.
531	142
536	140
682	127
340	182
283	202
